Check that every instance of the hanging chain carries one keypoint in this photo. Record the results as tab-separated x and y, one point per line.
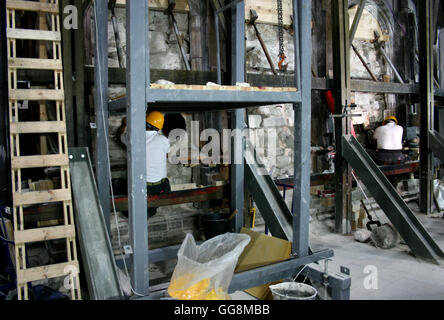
282	57
281	28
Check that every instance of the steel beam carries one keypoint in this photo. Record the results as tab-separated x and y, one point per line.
137	79
180	96
101	104
437	144
82	126
177	197
274	272
238	116
357	19
427	103
341	56
440	114
67	58
97	254
400	215
302	128
269	201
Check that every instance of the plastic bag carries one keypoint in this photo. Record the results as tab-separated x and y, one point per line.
204	272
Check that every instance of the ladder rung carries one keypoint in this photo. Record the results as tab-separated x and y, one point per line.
36	94
30	34
38	197
37	127
32	6
47	272
44	234
41	161
35	64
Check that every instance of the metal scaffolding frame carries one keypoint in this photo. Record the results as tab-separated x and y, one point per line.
140	95
343	85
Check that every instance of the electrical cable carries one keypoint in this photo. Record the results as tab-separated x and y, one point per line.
109	171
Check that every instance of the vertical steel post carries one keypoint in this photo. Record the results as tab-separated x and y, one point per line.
216	30
79	85
341	74
137	36
302	134
101	104
441	78
238	116
427	103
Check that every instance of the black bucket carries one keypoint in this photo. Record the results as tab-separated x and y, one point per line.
215	224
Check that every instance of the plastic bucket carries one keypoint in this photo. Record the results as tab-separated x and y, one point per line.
293	291
215	224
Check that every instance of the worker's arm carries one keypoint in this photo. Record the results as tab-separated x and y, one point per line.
121	134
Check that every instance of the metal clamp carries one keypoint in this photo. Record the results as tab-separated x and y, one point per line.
346	113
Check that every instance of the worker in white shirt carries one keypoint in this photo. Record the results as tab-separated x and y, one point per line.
157	148
389	142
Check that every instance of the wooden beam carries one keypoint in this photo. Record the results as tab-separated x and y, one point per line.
32	6
30	198
42	161
46	272
28	34
160	5
44	234
267	11
37	127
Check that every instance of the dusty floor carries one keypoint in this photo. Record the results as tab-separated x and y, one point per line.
399	274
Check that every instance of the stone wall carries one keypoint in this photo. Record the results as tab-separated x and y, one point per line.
164	54
370	105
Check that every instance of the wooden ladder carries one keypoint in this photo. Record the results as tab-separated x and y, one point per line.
51	95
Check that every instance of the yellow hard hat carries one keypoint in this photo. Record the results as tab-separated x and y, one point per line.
393	118
156	119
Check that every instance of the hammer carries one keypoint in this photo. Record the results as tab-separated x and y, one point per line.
253	17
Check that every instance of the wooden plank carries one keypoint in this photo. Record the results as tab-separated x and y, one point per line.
37	127
36	94
32	6
37	197
267	11
47	272
44	234
42	161
35	64
181	5
29	34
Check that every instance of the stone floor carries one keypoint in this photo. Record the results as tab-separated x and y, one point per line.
400	276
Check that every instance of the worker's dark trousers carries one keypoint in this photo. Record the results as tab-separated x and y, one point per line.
158	188
387	157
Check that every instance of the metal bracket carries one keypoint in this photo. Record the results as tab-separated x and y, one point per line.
346	113
345	270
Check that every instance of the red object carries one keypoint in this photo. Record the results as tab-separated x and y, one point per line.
330	100
331	105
